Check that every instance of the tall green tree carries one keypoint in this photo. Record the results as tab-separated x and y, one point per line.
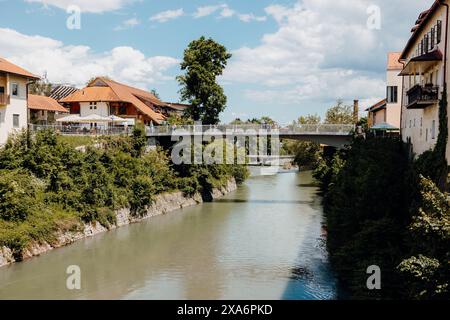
339	114
204	60
309	119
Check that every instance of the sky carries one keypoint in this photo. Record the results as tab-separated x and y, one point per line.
290	57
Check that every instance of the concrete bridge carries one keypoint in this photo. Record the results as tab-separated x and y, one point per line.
335	135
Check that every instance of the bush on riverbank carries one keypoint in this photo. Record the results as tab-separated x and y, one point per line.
379	214
46	185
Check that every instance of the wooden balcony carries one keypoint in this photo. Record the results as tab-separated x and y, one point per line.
4	99
420	97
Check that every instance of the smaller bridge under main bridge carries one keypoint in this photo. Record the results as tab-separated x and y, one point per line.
334	135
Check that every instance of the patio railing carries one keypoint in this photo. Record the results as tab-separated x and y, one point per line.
77	130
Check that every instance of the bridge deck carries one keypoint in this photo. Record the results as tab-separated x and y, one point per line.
253	130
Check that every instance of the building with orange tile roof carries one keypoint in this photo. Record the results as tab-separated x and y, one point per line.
106	97
44	110
14	82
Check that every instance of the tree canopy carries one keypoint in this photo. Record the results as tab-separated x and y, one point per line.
339	114
204	60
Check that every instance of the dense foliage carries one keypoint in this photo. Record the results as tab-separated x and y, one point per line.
204	60
381	212
47	185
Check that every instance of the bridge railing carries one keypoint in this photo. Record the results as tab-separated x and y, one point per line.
313	129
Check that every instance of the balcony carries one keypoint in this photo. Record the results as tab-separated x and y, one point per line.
4	99
420	97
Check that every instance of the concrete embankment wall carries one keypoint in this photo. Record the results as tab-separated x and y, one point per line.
163	204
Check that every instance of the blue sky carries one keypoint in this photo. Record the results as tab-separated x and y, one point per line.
290	57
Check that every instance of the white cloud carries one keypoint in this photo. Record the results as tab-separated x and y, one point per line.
251	17
128	24
226	12
77	64
167	15
321	51
91	6
206	11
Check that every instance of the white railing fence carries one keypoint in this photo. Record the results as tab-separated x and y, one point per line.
82	130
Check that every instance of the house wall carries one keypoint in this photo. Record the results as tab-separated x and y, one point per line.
17	106
393	110
379	117
101	109
420	134
42	116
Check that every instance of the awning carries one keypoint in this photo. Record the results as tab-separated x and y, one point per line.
384	127
421	64
72	118
117	119
93	118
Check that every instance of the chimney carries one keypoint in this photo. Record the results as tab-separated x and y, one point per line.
355	111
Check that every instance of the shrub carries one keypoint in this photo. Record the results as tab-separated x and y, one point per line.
17	195
143	190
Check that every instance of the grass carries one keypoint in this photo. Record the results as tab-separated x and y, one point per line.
77	141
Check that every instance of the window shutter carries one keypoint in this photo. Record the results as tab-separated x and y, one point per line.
433	37
439	31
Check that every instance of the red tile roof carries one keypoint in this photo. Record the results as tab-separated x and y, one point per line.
36	102
8	67
379	105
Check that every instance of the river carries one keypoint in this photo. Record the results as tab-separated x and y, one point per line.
263	241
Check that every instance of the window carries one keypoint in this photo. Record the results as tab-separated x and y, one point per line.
426	134
16	120
392	94
433	129
410	123
15	89
414	122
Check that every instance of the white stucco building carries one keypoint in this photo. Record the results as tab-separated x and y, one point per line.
425	74
13	98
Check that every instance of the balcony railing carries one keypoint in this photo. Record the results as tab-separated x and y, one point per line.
4	99
420	97
80	130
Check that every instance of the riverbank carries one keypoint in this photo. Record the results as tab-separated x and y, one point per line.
163	204
249	243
